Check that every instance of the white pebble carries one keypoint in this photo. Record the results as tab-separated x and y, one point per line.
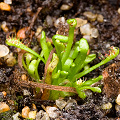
15	116
118	99
107	45
60	103
41	115
86	29
52	111
60	20
26	92
8	1
32	114
94	33
119	10
4	50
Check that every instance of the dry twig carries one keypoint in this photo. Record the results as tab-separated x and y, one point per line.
45	86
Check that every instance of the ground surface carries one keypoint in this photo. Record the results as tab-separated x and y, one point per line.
21	15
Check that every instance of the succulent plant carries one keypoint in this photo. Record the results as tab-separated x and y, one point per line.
68	62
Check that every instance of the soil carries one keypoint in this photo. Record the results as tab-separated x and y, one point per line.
109	33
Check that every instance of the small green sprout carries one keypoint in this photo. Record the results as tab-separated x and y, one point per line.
68	65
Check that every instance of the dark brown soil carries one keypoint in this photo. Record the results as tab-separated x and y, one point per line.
109	33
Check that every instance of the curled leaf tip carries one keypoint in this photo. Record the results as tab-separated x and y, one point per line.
72	22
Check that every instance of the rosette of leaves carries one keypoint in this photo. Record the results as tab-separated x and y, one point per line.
68	64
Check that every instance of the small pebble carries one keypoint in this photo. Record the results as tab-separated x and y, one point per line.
117	107
94	33
115	21
70	103
66	7
49	21
25	112
107	45
39	29
32	114
41	115
119	10
106	106
8	1
59	21
10	60
60	103
15	116
90	16
118	99
51	111
4	26
100	18
4	107
4	50
5	6
86	29
26	92
80	22
24	77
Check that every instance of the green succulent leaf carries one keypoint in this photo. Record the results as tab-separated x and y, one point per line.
16	42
